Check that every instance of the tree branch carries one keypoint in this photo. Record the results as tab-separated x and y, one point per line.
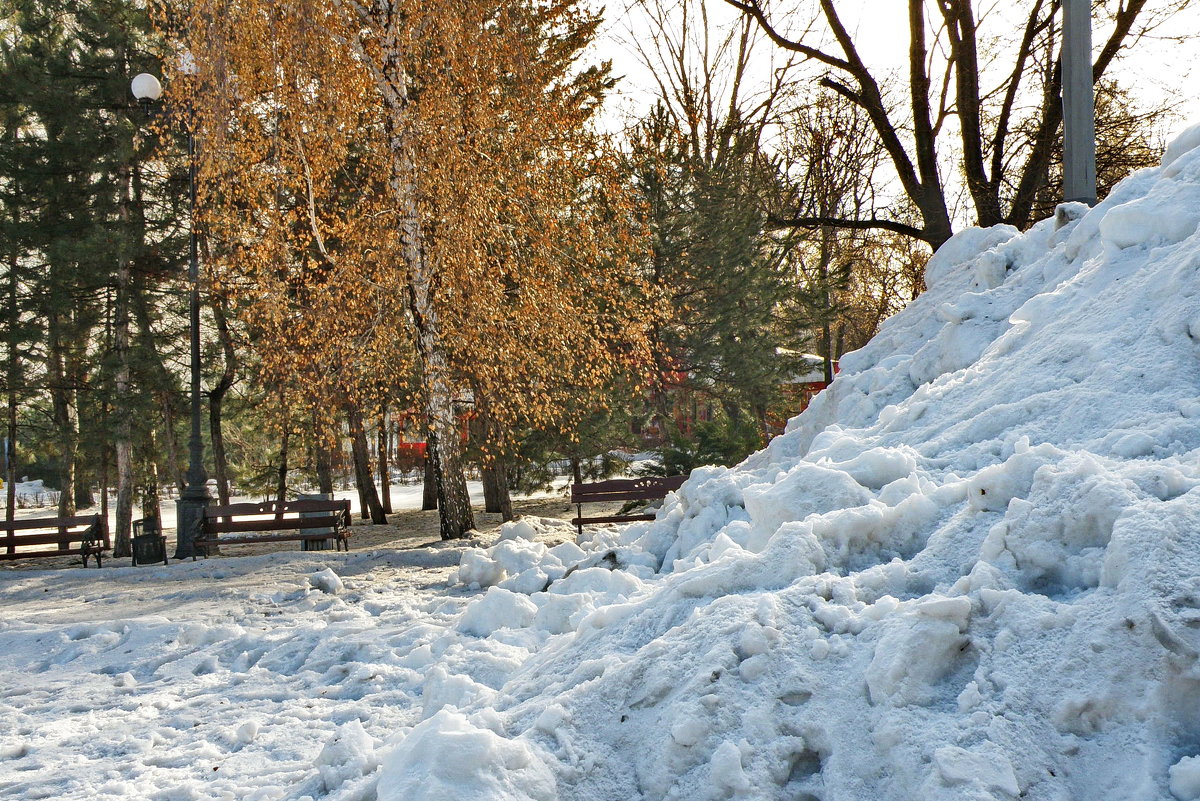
871	224
754	10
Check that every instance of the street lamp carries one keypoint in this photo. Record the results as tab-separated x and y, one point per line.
194	498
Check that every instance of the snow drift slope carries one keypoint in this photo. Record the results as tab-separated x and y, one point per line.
971	570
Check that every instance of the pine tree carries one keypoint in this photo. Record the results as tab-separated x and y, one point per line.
725	276
82	235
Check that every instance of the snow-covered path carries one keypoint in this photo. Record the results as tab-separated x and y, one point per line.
217	679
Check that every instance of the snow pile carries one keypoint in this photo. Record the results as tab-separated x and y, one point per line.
970	570
34	494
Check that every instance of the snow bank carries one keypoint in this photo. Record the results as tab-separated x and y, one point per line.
969	570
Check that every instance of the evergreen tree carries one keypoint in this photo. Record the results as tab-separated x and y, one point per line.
90	229
725	343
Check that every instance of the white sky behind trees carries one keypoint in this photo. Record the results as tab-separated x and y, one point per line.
1157	68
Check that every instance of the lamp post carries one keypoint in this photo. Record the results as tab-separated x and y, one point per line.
194	498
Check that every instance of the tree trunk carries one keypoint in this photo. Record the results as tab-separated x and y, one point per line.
429	493
104	462
163	378
217	400
385	479
437	383
323	459
281	483
491	487
454	502
13	371
10	462
123	430
150	490
362	470
65	410
496	496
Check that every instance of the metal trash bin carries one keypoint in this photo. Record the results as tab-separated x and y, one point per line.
317	545
149	543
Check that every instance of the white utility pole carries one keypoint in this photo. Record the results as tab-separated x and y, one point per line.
1079	112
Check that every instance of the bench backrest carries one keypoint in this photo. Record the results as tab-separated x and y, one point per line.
48	530
647	488
271	515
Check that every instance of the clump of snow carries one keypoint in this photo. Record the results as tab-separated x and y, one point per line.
520	560
327	581
449	756
497	609
1185	779
348	755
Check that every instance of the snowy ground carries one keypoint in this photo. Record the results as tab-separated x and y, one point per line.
969	572
210	680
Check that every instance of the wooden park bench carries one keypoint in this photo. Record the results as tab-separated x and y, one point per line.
54	536
306	521
647	488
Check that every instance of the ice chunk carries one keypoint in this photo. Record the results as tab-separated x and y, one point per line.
350	753
1149	221
498	609
477	568
804	490
910	659
518	530
879	466
1185	774
1184	142
327	581
443	689
247	731
991	769
727	770
448	756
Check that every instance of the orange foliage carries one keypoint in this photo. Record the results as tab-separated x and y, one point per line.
370	173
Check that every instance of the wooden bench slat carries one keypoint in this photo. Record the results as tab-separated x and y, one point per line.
264	538
49	522
632	495
646	488
50	538
273	524
275	509
626	484
611	519
6	556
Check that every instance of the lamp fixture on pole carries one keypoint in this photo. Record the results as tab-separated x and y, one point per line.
194	498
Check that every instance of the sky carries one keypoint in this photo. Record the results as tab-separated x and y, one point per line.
1157	68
